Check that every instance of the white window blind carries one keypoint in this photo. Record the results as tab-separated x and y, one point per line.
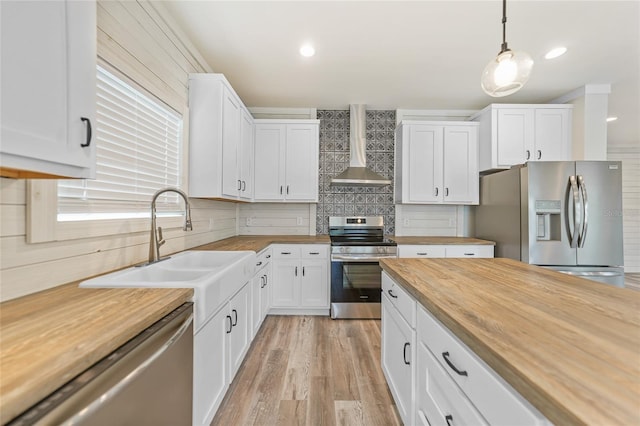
138	152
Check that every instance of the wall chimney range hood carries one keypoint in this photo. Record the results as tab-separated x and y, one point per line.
357	174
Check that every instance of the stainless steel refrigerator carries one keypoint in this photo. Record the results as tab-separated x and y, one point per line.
563	215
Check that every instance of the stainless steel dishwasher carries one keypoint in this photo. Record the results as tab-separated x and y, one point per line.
147	381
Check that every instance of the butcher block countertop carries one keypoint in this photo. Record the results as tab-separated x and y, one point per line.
569	346
441	241
260	242
49	337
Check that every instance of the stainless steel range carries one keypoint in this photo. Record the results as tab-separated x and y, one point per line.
357	245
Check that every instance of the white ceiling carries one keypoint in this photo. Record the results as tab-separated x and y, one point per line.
416	54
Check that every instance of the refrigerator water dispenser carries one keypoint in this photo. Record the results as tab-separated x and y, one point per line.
548	220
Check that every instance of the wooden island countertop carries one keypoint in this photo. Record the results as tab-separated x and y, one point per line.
48	338
568	345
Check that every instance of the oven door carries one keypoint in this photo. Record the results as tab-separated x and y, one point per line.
355	288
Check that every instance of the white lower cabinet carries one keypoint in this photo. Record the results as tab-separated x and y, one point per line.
438	400
300	281
398	345
434	378
219	349
434	251
261	290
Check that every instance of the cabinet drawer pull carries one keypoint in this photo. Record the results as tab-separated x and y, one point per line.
235	314
287	189
391	294
262	281
446	192
285	252
303	271
469	254
230	324
528	154
449	419
268	256
259	263
89	132
314	252
244	186
436	194
445	355
404	353
280	189
239	184
424	253
296	273
539	154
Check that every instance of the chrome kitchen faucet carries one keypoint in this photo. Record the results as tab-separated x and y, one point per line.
156	239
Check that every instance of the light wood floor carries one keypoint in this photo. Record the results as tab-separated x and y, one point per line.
305	370
632	281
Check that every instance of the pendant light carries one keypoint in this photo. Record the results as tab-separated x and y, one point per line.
509	71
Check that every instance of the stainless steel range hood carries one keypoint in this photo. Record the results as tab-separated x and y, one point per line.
357	173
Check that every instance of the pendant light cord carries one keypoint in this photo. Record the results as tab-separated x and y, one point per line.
504	26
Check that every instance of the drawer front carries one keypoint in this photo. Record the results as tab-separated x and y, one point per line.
419	251
314	251
439	401
403	301
263	258
469	251
286	251
496	400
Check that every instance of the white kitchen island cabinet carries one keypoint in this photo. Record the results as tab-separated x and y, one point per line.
434	378
220	140
436	163
300	283
513	134
48	86
286	160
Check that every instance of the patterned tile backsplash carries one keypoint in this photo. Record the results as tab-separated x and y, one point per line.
334	159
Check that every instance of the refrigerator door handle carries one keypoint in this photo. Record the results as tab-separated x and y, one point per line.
573	236
585	211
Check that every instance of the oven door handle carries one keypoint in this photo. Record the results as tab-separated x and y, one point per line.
341	258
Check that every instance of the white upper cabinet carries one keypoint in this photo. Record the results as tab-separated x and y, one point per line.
48	86
220	139
436	163
286	160
516	133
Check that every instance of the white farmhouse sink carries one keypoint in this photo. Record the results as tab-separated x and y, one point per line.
214	276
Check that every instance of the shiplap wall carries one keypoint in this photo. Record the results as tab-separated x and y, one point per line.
630	157
427	220
277	218
136	38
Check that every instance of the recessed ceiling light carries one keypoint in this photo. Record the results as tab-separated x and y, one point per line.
554	53
307	50
610	119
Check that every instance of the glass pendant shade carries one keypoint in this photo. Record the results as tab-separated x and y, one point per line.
506	74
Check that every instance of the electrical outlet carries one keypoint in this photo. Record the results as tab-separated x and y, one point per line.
298	220
405	222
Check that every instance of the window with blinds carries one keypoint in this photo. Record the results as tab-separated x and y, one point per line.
138	152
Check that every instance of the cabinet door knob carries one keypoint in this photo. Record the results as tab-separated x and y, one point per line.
239	184
391	294
296	272
404	353
89	132
449	419
287	189
303	271
244	186
235	314
446	192
539	154
280	189
259	263
528	154
436	194
230	324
